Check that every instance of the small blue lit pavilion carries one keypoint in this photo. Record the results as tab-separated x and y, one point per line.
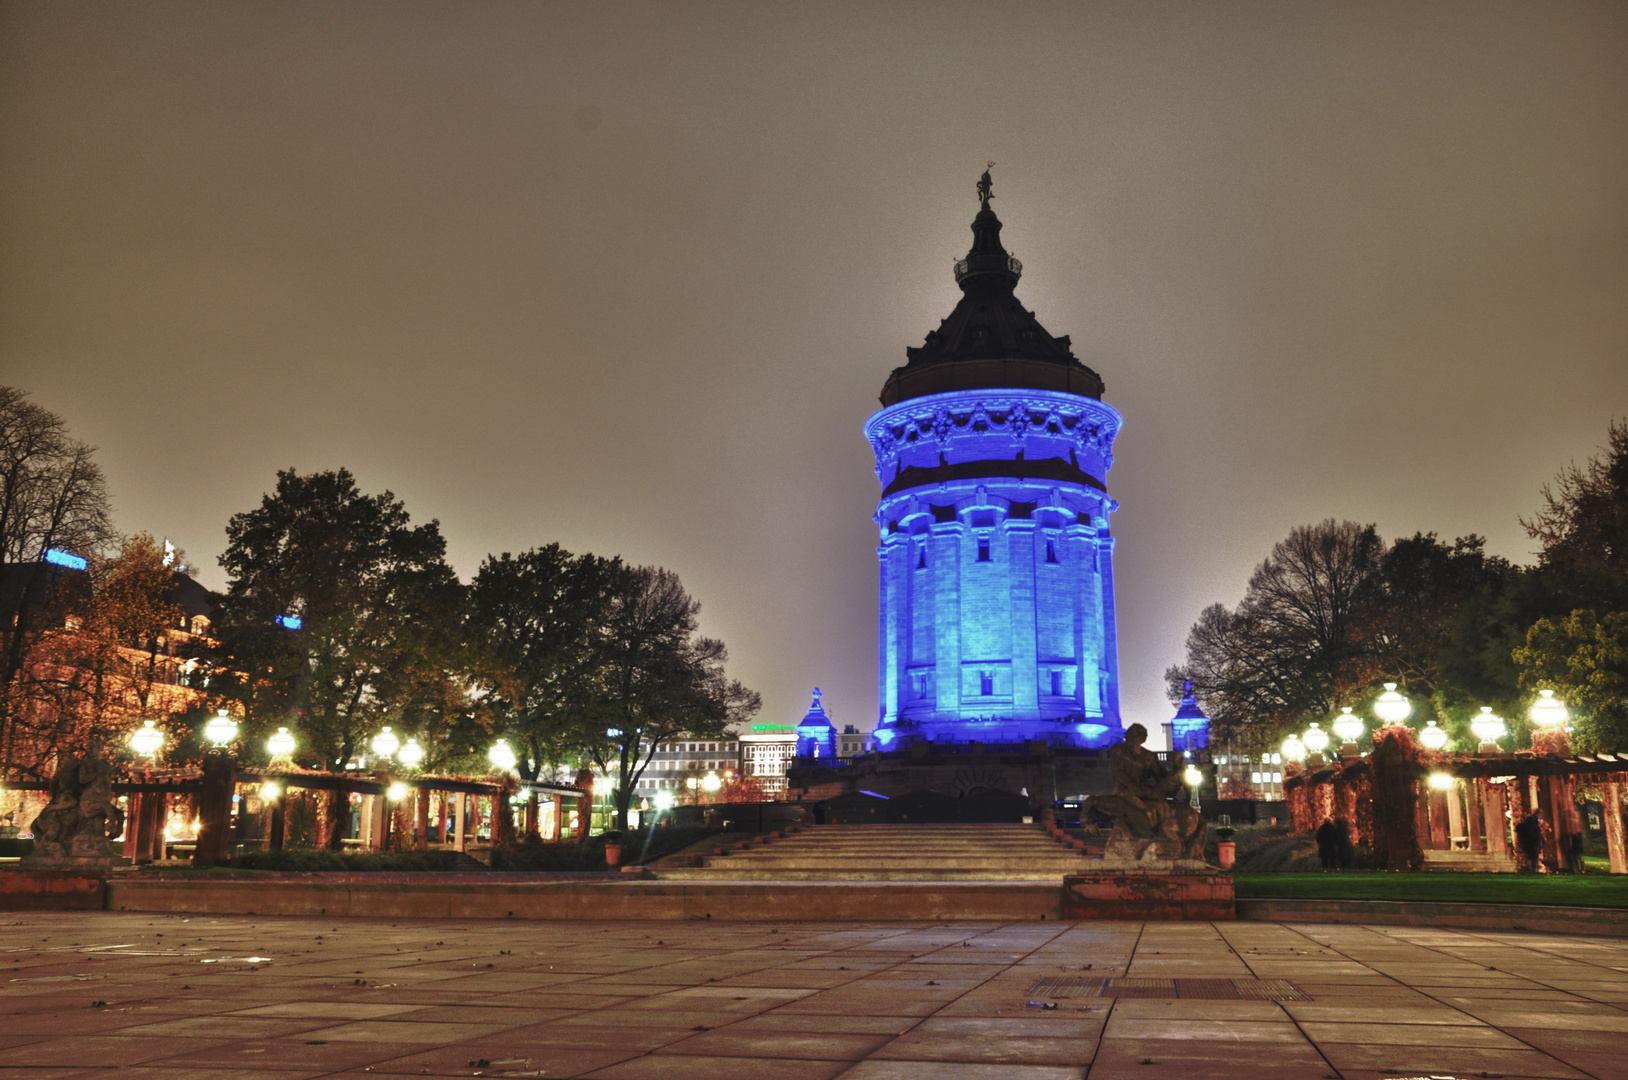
993	447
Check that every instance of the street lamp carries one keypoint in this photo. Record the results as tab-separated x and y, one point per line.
396	792
1195	778
1349	728
1548	712
1392	707
221	729
1316	739
1433	737
147	740
1489	729
412	755
664	801
385	744
1440	781
269	791
1293	749
501	757
280	745
710	783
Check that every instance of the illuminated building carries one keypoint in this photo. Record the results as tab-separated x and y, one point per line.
995	557
1189	729
767	751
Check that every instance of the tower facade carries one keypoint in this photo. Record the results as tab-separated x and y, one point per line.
993	444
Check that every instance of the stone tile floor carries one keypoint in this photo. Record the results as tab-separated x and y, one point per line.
180	998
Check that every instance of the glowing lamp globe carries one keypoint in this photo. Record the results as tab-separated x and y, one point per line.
1489	729
412	755
1315	738
385	744
396	792
147	740
1193	776
1293	749
270	791
664	800
1548	711
1392	707
221	729
1440	781
1349	728
280	745
710	782
501	757
1433	737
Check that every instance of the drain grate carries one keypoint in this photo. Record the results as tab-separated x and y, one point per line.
1192	989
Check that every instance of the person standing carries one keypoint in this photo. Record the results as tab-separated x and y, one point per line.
1328	844
1529	838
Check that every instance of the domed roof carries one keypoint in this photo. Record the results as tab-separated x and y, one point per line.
990	340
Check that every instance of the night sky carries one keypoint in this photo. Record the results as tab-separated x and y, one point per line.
630	277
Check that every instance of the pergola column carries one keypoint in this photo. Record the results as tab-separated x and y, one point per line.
1497	826
421	827
458	821
1612	813
1472	815
1552	807
1455	814
559	814
1437	802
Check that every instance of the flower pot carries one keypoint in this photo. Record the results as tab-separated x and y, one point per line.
613	854
1227	852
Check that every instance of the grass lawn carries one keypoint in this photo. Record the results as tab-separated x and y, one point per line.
1589	890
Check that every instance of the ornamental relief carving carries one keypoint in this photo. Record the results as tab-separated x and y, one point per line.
1087	428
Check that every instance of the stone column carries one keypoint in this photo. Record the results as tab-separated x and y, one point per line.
215	809
1455	814
1472	814
1437	802
277	822
421	801
1552	805
559	816
1497	826
458	821
1611	811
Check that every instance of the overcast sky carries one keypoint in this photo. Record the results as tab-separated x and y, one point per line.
630	276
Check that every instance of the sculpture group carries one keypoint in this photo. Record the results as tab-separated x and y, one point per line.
81	815
1152	829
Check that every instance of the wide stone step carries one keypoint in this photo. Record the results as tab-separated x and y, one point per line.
774	865
861	874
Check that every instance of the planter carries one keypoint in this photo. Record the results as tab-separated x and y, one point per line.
613	854
1226	853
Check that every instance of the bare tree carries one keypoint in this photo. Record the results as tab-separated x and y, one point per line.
52	497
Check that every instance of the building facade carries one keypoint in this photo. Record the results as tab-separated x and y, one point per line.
689	759
995	559
767	751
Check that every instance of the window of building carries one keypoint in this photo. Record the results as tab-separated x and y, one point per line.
1051	551
986	684
983	551
921	560
1056	683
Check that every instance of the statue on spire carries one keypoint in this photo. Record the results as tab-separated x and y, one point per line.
986	188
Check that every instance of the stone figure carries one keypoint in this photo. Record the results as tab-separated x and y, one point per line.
1151	828
81	814
986	188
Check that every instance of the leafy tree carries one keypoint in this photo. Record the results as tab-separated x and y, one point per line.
52	495
535	620
374	599
1583	525
1585	657
655	679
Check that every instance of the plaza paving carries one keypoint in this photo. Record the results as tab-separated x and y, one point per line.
168	996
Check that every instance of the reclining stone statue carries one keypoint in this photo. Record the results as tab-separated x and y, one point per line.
1152	830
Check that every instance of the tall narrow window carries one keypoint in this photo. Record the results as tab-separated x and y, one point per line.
983	551
1051	551
986	684
921	560
1056	684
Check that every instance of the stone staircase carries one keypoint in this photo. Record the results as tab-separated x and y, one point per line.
992	852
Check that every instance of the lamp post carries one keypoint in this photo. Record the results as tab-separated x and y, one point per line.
1294	750
385	744
501	757
1316	741
1391	706
215	797
1433	737
1549	717
1349	728
145	818
1489	729
281	745
411	755
1195	779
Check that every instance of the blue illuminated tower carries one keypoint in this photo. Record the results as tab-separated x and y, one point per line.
992	446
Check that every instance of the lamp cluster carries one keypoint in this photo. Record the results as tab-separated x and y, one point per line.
1547	713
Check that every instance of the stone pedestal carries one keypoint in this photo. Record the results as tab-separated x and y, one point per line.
1133	895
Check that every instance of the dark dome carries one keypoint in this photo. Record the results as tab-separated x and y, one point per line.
990	340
